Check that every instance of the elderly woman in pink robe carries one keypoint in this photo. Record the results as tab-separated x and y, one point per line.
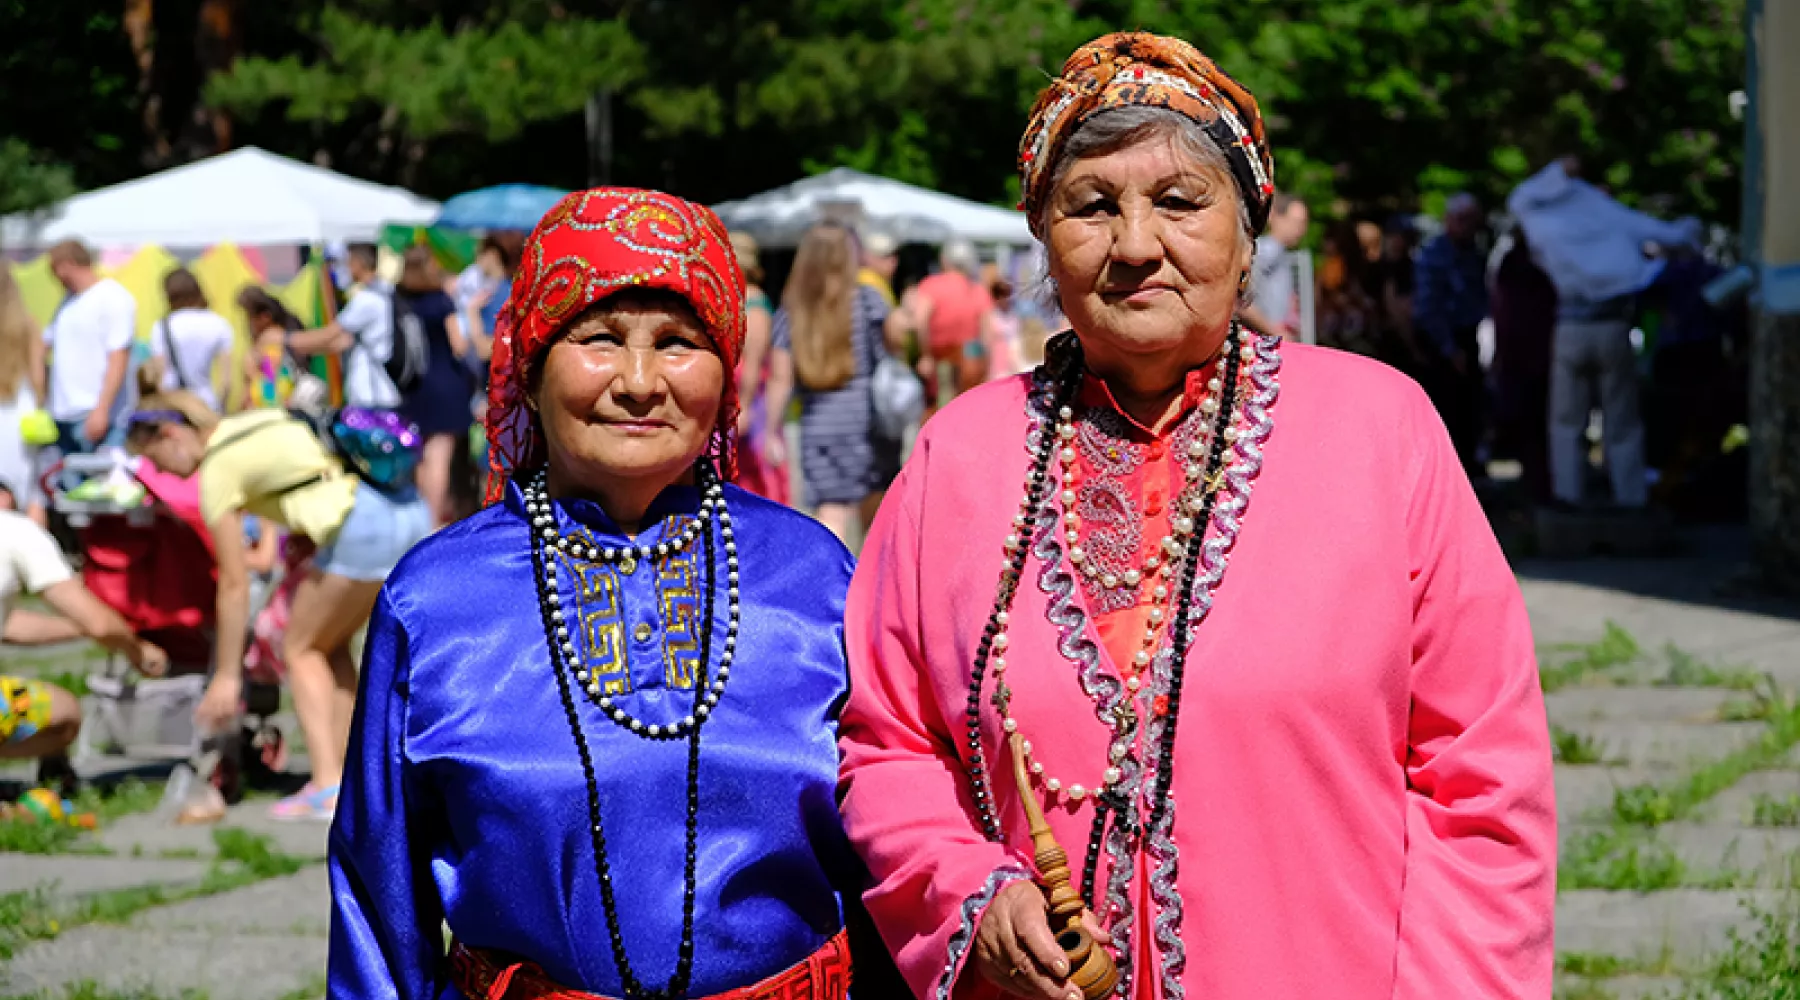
1231	604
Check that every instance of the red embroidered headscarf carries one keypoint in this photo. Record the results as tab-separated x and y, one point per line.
1138	69
591	245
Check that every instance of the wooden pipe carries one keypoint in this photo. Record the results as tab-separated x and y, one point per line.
1091	967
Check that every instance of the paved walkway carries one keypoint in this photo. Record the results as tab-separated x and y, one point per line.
1658	718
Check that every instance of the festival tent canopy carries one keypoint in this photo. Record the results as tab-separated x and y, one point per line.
247	196
910	214
503	206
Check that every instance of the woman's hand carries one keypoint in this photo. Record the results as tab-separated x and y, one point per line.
152	660
1015	950
219	706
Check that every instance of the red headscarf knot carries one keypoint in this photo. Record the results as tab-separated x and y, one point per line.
591	245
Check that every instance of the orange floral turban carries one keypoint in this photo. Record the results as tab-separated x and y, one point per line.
1136	69
592	245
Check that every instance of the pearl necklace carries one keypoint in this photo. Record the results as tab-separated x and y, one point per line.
991	651
540	512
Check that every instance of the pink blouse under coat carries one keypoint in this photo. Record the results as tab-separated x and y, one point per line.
1362	771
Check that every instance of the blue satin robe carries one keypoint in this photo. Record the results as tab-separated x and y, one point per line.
463	797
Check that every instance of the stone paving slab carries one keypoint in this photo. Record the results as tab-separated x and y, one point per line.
1737	804
151	835
1578	707
1584	792
75	874
1668	744
1762	634
1718	847
1689	923
263	942
297	904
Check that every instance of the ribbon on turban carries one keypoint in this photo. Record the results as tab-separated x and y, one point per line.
594	244
1137	69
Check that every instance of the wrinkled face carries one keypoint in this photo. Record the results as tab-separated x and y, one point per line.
630	391
175	449
1146	248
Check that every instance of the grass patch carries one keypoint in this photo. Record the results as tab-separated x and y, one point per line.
1626	855
1569	747
1775	810
1620	861
1593	965
1688	670
244	858
109	803
256	853
1651	805
1761	962
311	991
73	681
1615	648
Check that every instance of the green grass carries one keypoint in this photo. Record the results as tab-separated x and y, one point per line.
1620	860
73	681
1775	810
1615	648
108	803
1626	855
1569	747
243	859
1653	805
1759	963
1688	670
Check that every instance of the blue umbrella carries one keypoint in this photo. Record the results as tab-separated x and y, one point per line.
503	206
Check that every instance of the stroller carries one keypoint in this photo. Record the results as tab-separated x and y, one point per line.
148	555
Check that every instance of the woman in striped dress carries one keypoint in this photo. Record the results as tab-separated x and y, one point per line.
833	328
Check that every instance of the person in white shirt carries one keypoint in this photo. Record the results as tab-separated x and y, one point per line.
191	340
1274	306
90	353
363	333
38	719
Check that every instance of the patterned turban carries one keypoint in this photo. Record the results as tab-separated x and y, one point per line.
591	245
1136	69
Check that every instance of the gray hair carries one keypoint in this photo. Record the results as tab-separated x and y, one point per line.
1118	128
1115	129
960	255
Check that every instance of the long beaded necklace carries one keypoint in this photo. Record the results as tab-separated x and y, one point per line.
1065	372
706	697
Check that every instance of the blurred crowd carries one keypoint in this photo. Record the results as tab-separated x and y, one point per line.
1567	336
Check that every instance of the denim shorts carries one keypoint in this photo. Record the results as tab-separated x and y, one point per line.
380	528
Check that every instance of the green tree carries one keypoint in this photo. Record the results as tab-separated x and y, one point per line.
28	180
423	83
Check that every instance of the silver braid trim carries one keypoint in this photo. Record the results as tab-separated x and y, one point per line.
956	952
1246	462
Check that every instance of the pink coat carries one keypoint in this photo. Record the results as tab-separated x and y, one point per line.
1362	767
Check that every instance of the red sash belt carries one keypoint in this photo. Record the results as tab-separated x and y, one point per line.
487	975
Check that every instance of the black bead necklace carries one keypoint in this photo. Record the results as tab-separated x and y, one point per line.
1064	366
549	606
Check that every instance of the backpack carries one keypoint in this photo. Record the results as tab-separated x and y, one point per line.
380	446
410	353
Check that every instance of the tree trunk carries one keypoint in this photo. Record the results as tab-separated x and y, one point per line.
1775	447
217	43
140	27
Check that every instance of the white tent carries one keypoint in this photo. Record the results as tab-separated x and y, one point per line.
247	196
910	214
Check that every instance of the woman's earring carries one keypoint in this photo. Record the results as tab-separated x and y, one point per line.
1243	281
